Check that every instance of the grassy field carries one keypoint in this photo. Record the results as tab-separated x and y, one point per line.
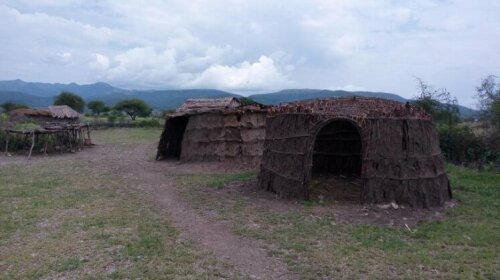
465	245
57	223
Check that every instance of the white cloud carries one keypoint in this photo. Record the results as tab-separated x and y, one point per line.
147	67
262	74
143	66
100	62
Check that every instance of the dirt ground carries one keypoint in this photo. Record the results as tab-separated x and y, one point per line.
249	256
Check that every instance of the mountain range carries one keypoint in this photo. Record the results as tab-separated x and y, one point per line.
42	94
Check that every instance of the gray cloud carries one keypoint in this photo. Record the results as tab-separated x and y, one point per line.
253	45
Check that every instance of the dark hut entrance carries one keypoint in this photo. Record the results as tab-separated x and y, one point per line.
171	142
336	168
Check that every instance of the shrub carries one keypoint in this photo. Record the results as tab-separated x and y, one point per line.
460	145
153	122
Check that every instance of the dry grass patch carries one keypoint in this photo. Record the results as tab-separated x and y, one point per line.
463	246
69	219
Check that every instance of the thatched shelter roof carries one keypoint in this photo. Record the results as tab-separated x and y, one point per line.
354	107
30	112
209	103
63	112
57	112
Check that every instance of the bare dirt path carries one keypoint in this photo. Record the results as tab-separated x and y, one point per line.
136	165
246	255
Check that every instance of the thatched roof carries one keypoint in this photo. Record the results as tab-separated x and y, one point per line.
63	112
356	107
209	103
57	112
30	112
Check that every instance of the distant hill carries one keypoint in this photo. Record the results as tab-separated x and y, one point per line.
24	98
165	99
50	90
42	94
289	95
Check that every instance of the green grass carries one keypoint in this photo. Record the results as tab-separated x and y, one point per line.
69	219
463	246
128	136
217	181
57	223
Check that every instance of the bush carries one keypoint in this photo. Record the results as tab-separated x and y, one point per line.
16	142
111	118
153	122
461	146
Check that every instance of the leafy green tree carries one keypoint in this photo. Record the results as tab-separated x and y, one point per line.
488	95
439	103
70	99
247	101
97	107
133	108
9	106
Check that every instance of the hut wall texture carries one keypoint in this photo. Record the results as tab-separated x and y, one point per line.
401	159
216	136
285	154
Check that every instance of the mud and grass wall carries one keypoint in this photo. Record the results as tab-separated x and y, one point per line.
400	161
236	136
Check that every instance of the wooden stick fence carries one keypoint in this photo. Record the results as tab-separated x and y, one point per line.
67	136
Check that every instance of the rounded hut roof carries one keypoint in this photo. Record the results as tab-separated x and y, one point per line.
354	107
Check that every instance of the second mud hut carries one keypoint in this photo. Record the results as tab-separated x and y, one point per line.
385	150
214	130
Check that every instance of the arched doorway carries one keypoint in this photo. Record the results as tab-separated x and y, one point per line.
336	163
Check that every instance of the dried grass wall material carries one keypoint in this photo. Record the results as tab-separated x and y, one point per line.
217	135
401	159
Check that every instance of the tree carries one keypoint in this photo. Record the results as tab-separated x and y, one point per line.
97	107
134	108
70	99
247	101
439	103
488	95
9	106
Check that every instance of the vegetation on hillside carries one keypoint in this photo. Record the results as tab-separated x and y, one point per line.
70	99
9	106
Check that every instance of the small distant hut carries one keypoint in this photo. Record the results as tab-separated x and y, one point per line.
52	114
204	104
56	124
214	130
388	149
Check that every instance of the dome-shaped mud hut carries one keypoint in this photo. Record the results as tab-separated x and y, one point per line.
214	130
375	150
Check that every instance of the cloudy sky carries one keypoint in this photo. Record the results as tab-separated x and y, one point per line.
253	46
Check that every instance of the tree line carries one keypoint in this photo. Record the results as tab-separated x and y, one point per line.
132	107
473	141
